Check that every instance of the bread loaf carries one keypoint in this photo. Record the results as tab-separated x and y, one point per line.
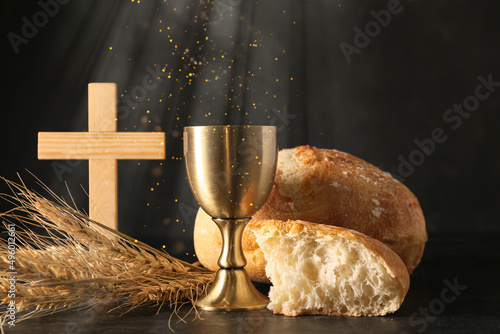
320	269
333	188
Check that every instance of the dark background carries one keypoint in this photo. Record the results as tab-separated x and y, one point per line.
394	91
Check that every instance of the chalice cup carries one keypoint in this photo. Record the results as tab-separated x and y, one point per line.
231	172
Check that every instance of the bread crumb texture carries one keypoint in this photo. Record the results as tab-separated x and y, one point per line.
318	269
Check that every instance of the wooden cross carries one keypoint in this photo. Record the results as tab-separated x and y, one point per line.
102	146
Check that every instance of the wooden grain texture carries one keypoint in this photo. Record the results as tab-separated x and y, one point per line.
102	106
103	191
103	174
104	145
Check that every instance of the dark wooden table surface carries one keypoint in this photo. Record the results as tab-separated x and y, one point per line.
454	290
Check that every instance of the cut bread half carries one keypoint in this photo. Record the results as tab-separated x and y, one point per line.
320	269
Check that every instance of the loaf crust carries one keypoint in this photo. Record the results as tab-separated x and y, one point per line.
334	188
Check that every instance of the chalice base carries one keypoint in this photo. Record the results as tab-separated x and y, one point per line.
232	290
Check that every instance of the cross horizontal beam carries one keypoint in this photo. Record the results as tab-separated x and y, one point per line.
99	146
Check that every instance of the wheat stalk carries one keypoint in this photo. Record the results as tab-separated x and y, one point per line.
79	263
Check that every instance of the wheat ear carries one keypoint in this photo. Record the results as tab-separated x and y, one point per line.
78	263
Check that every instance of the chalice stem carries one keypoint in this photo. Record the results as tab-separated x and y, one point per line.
232	289
232	256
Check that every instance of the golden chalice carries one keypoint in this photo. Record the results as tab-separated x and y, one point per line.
231	173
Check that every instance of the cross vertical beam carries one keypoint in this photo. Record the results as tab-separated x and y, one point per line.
103	174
